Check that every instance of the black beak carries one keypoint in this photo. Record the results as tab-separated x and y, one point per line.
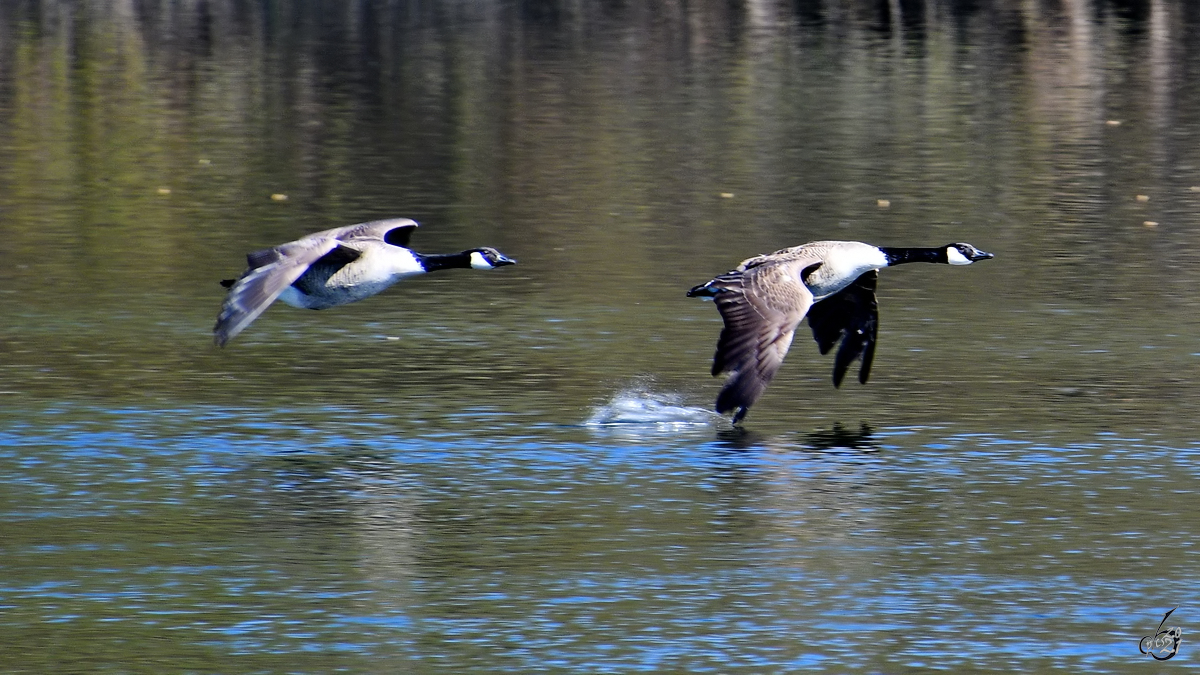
505	260
981	255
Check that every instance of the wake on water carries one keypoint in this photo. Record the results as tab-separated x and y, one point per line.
638	406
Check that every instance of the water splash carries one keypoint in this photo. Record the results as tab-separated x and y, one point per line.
638	406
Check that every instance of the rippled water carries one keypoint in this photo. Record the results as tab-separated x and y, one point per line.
518	471
207	536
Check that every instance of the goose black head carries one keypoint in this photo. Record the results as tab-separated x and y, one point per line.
488	258
965	254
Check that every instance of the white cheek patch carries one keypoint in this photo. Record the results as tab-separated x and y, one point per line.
479	262
955	257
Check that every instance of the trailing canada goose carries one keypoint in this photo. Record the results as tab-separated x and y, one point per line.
763	300
335	267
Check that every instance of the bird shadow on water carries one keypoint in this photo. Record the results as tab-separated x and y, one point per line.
838	439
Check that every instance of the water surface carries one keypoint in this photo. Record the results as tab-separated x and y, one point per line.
516	471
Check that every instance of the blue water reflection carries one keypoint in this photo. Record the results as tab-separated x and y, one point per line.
556	549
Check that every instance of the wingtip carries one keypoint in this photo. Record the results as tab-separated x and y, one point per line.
839	373
737	396
225	330
739	411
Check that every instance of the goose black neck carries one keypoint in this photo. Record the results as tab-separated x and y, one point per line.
899	256
445	261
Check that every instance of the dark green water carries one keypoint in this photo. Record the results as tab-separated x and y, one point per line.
420	482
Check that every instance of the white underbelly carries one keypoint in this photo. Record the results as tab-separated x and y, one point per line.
373	272
334	293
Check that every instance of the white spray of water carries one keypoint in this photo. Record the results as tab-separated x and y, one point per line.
638	406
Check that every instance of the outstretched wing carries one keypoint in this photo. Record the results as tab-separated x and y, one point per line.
852	316
761	307
395	231
271	271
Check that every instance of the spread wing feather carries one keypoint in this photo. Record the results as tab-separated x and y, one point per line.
761	306
395	231
250	295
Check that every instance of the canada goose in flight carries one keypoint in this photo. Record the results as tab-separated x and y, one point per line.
335	267
832	282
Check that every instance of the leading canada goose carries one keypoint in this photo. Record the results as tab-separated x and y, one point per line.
832	282
335	267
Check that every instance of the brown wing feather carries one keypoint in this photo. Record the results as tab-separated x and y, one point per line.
761	308
250	295
395	231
